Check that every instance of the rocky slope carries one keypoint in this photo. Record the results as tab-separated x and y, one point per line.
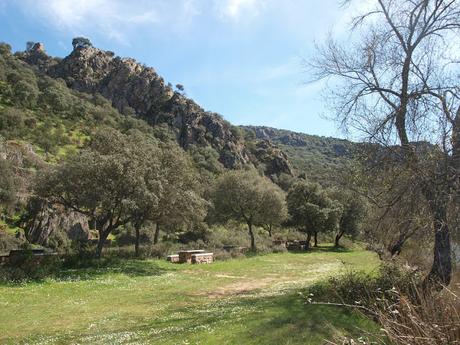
320	158
137	90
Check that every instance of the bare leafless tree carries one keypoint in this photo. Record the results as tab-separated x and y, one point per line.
396	80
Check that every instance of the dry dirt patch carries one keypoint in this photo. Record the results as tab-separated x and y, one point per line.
240	287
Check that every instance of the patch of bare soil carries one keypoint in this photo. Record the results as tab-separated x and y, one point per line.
240	287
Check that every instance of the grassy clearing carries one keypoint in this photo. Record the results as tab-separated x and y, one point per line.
244	301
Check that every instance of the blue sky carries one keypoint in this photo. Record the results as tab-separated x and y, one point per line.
240	58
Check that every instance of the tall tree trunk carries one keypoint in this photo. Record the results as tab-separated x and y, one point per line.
405	234
315	239
103	234
308	240
395	248
441	271
251	235
157	233
269	230
456	147
338	236
138	239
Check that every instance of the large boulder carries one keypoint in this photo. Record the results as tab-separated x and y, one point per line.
45	223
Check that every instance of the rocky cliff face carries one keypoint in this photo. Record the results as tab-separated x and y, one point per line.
46	223
284	137
273	158
330	146
135	89
320	158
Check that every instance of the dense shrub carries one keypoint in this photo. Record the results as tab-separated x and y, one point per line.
160	250
8	242
368	289
433	320
26	93
80	254
279	249
28	267
407	313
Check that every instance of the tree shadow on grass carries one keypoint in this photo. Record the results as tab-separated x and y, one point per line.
101	267
82	270
323	249
282	319
289	317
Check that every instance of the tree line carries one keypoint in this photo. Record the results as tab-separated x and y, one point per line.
132	179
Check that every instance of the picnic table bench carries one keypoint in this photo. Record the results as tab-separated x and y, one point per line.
185	256
194	256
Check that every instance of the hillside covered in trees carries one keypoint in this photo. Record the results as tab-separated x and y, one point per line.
110	176
320	158
52	109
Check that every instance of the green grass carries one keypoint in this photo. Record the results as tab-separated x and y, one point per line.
8	228
245	301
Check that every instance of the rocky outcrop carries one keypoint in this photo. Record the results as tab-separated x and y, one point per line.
332	147
318	157
135	88
285	137
36	55
340	147
274	159
24	162
44	223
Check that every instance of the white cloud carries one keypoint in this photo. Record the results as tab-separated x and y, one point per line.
111	18
235	9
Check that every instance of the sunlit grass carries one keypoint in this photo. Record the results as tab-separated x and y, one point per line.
244	301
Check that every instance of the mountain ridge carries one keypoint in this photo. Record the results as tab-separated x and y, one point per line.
137	90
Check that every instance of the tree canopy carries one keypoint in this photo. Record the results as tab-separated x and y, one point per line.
81	42
350	213
396	80
248	197
8	187
311	210
109	183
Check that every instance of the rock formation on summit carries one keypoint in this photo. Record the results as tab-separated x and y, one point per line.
137	90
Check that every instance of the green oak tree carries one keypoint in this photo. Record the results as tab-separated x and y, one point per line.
106	182
311	210
248	197
351	213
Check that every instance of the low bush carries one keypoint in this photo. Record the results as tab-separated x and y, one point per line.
393	298
222	255
279	249
433	320
160	250
9	242
368	290
27	267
